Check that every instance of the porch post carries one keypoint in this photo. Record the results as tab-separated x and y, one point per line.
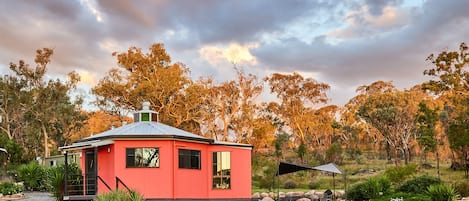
65	173
96	169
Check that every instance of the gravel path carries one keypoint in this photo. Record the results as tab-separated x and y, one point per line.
38	196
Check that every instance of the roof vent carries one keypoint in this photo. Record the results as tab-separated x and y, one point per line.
146	114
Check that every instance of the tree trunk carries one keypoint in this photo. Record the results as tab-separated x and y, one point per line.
406	155
438	163
46	143
437	157
388	152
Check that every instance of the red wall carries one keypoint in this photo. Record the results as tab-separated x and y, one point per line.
191	183
151	182
240	173
106	168
187	183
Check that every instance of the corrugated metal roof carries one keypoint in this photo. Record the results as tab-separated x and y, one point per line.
144	129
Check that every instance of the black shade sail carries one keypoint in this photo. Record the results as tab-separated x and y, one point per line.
285	168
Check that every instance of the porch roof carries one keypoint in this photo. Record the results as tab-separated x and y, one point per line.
86	144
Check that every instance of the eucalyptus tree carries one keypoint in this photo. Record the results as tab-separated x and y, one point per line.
356	133
48	111
151	77
392	113
450	83
298	98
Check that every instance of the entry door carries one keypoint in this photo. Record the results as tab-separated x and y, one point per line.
90	173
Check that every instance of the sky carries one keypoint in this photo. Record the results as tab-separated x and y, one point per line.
345	44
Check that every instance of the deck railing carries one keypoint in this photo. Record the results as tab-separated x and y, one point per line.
74	185
118	180
102	180
86	185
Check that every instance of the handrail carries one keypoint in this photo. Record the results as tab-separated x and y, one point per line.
118	180
102	180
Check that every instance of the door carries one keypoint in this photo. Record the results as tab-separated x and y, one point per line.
90	173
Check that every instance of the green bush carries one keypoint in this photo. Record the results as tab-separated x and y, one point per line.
441	192
290	184
399	173
418	184
372	188
268	180
314	185
56	179
9	188
120	195
33	176
462	188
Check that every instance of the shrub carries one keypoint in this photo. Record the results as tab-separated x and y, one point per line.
33	175
370	189
120	195
400	173
56	179
314	185
462	188
267	180
418	184
441	192
290	184
9	188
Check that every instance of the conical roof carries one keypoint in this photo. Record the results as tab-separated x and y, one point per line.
146	130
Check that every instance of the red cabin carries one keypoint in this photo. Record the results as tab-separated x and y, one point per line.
161	162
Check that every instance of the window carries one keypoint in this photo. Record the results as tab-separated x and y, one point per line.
221	170
142	157
189	159
145	116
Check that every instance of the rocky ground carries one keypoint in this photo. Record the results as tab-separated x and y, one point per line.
29	196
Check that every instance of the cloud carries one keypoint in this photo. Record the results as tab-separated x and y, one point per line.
91	5
362	23
87	77
376	7
234	53
343	43
397	55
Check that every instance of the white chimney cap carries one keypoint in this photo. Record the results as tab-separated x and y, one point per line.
146	105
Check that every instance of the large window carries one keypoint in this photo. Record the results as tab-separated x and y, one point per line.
221	170
142	157
189	159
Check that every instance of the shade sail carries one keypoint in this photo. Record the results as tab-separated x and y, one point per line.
285	168
330	167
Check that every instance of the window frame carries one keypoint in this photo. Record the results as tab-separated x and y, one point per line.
223	175
188	158
134	166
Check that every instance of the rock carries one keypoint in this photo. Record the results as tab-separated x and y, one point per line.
426	166
267	199
281	194
303	199
314	197
256	195
263	195
272	194
300	193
